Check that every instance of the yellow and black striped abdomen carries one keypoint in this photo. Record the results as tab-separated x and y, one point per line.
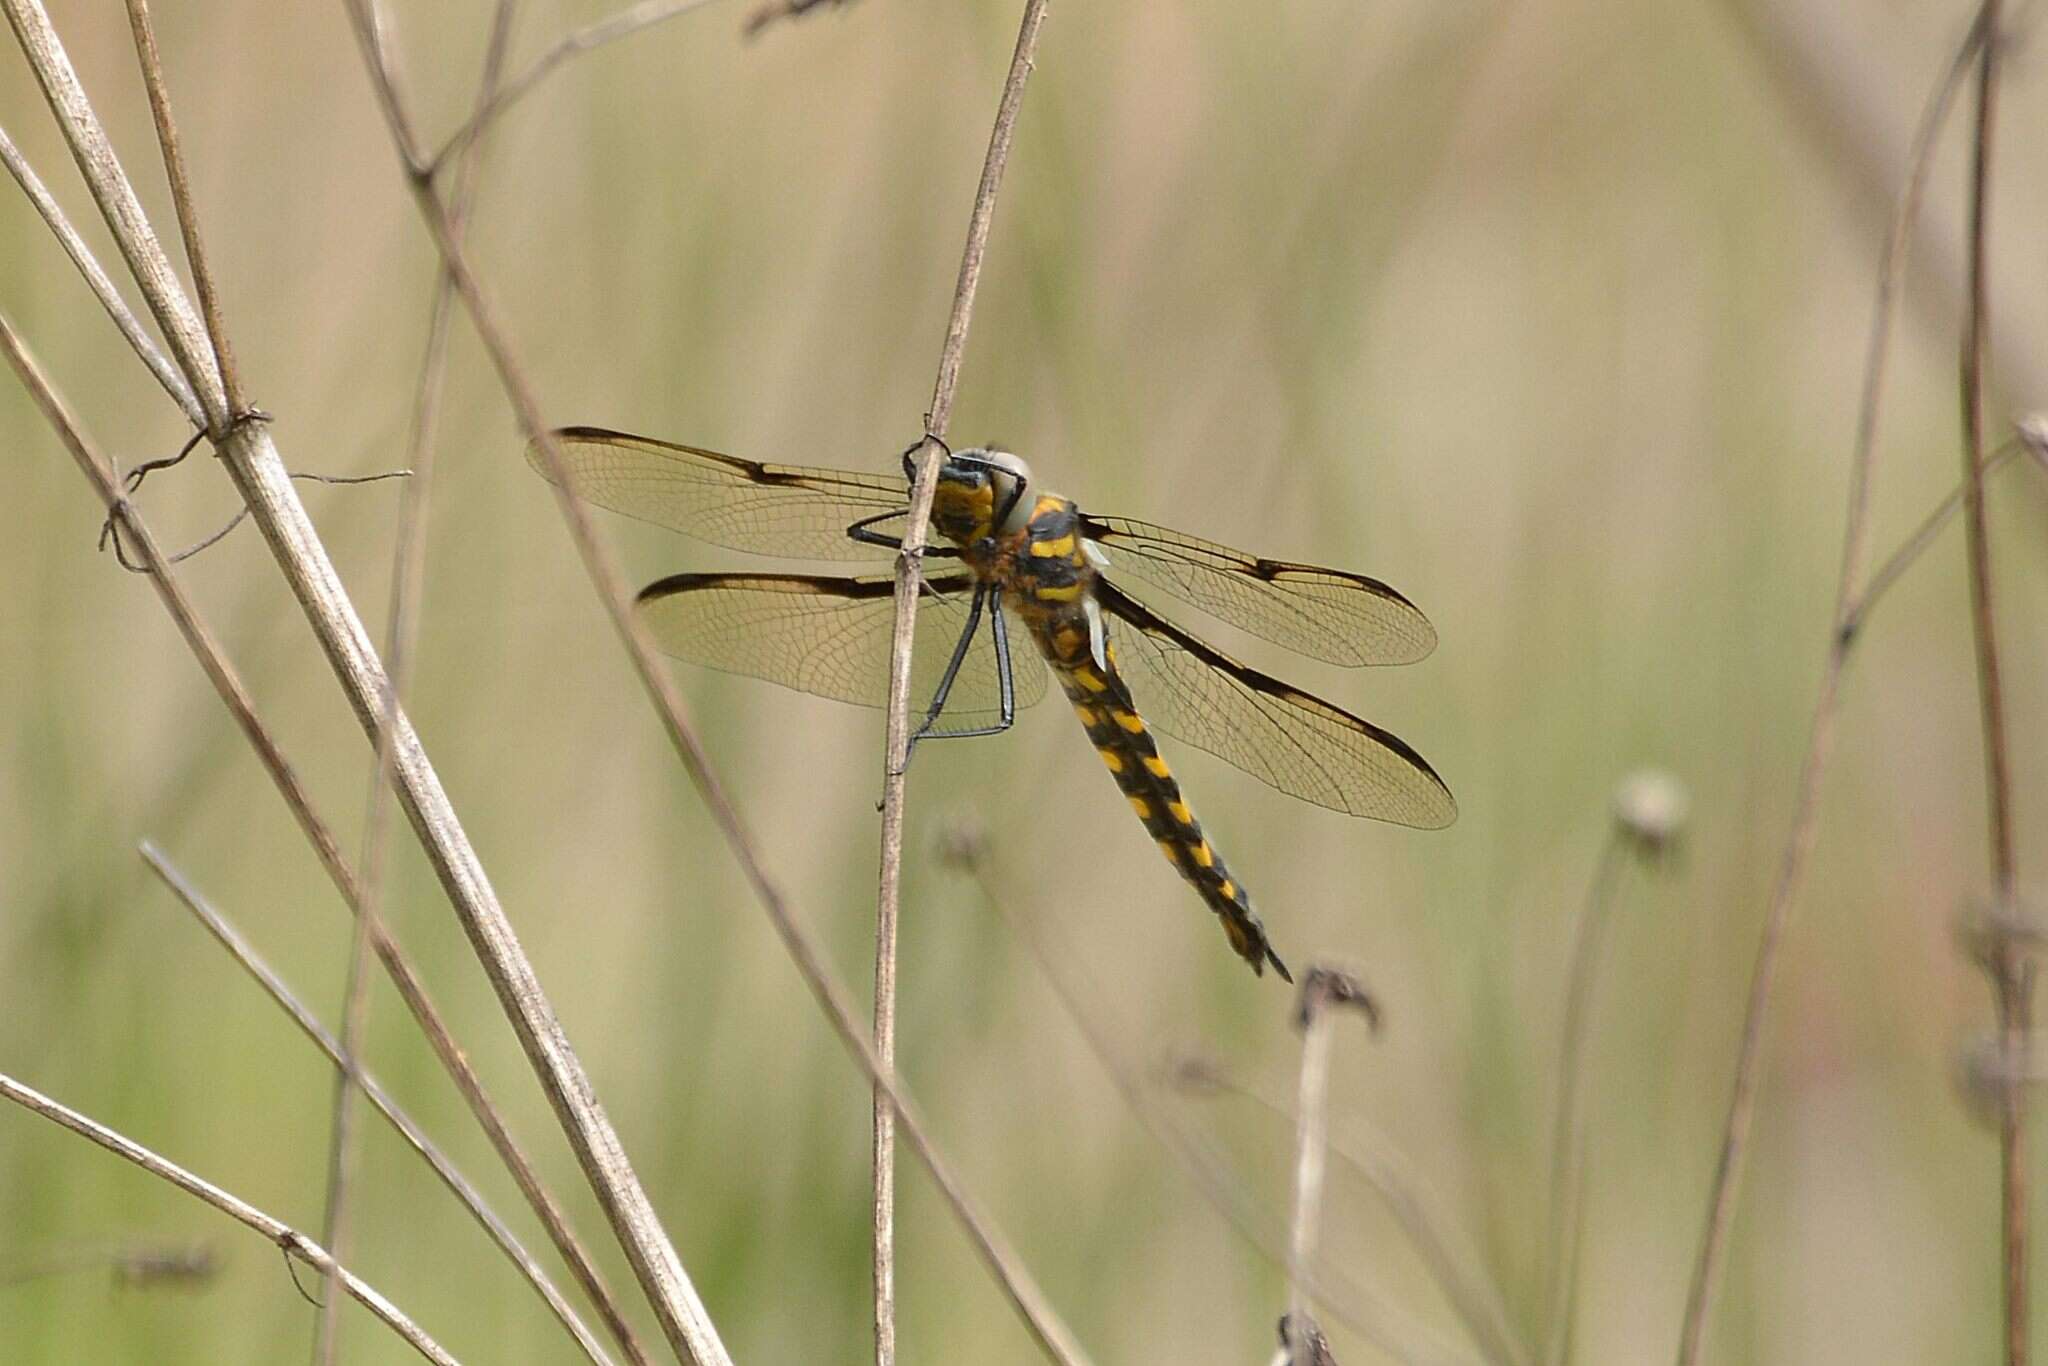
1122	739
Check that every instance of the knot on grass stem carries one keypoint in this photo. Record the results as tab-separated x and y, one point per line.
1990	1074
1990	930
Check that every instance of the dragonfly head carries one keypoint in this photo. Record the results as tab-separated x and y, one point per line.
980	494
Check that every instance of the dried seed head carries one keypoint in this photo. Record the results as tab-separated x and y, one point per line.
1650	807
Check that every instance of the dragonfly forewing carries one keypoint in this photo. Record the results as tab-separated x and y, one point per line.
789	511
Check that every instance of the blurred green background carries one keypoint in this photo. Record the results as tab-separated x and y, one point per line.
1551	314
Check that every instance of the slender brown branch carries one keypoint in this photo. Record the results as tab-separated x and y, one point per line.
1799	840
96	279
896	750
239	948
235	696
2010	967
294	1243
407	581
181	202
1015	1280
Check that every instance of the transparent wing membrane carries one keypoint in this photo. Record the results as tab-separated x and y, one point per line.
1286	738
1326	614
785	510
830	637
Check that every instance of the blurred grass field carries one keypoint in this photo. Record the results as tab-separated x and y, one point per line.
1550	314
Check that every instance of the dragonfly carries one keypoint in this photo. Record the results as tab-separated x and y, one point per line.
1028	563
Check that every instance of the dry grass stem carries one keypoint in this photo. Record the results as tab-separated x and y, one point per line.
1799	840
294	1243
1324	991
1018	1287
239	948
228	686
96	279
1372	1158
896	747
2010	967
181	203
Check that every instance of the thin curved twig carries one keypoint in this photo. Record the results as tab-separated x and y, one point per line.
1800	838
634	19
1916	543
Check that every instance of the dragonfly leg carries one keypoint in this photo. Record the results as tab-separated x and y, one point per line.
1005	680
862	532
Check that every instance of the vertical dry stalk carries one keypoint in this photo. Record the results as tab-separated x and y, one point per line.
888	894
239	948
2010	968
1324	991
258	472
1727	1179
294	1243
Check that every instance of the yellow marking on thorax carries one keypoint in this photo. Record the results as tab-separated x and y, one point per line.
1047	550
1091	679
1066	594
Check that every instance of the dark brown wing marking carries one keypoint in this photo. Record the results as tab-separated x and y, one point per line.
789	511
1286	738
830	636
1327	614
